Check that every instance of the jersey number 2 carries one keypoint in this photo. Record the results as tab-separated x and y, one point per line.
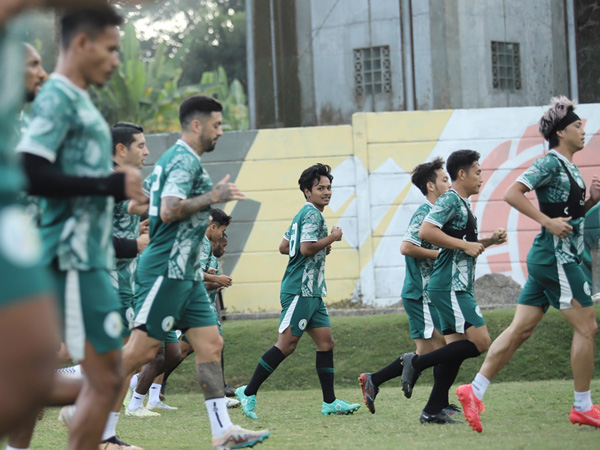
157	172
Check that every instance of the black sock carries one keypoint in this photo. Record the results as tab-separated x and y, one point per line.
443	377
326	375
266	366
392	370
455	352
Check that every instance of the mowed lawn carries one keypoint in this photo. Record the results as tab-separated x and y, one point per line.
518	416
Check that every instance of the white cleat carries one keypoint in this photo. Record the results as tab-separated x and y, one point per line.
140	412
65	415
160	406
237	437
232	403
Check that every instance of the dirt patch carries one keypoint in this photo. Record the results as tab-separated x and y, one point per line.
496	289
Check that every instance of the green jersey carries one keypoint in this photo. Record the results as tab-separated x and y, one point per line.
174	248
552	185
453	269
13	93
305	275
125	225
67	130
418	270
214	264
205	254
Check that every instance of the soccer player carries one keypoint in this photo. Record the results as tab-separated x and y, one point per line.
67	157
554	264
432	180
452	226
171	292
306	243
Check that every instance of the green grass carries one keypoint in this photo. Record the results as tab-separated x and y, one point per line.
366	344
518	416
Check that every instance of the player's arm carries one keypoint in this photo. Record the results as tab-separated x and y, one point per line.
594	194
284	247
139	207
47	181
309	248
515	197
221	280
407	248
497	238
174	209
432	233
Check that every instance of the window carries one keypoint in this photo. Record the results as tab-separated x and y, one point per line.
372	74
506	65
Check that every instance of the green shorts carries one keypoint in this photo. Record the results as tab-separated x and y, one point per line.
423	318
549	285
89	309
301	313
213	306
162	304
21	276
126	303
457	310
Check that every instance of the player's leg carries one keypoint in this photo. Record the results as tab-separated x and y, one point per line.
136	408
26	370
171	356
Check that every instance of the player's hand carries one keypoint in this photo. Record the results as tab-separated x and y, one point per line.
225	191
224	280
145	226
133	184
328	250
142	242
559	226
336	232
212	271
499	236
595	189
473	249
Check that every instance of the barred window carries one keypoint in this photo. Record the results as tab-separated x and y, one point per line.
372	74
506	65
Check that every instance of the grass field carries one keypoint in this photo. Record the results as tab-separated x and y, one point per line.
518	416
527	405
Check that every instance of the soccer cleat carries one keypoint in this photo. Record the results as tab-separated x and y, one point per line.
229	391
452	410
237	437
339	407
140	412
440	418
127	398
472	406
409	374
369	390
160	406
232	403
65	415
590	417
116	444
248	402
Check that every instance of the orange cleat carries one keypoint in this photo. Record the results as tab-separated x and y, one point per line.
472	406
590	417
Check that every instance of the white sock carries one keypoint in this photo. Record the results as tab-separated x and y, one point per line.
110	429
73	371
154	394
134	381
218	415
583	401
480	385
137	400
8	447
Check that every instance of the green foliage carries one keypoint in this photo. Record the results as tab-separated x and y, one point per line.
149	92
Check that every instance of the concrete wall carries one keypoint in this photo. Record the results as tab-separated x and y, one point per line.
373	198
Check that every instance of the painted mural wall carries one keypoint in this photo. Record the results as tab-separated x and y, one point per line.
373	198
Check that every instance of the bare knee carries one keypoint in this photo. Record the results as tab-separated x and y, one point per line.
482	343
588	329
326	345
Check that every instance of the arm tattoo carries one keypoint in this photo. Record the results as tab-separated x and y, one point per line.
174	209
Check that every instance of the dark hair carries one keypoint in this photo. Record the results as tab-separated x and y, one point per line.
424	173
123	133
220	217
460	159
196	105
91	21
312	174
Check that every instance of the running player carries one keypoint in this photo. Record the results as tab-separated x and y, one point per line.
554	264
452	226
171	292
432	180
67	156
306	243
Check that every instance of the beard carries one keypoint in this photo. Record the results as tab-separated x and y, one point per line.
30	96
